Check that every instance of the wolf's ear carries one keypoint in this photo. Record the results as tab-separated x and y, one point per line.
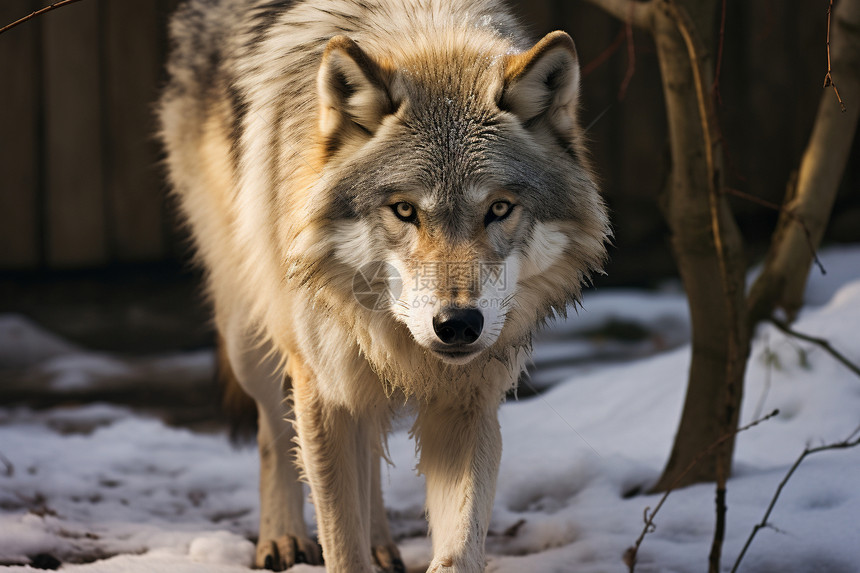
543	83
352	91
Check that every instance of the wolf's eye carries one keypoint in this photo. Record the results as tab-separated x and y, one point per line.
498	211
405	212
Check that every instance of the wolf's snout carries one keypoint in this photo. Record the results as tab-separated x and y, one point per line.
458	325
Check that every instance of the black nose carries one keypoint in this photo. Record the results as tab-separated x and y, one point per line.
458	325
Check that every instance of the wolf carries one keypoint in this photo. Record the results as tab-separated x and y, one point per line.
388	198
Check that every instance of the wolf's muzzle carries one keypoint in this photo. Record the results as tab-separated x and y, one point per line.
458	326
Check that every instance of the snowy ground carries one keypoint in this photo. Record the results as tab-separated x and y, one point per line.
127	493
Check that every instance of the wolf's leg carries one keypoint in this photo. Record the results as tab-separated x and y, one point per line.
283	539
336	447
385	552
461	446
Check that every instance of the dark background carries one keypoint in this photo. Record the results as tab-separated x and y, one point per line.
89	245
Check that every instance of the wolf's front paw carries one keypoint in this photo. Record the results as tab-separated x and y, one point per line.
282	553
387	557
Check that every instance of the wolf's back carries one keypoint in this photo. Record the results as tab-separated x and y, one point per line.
220	41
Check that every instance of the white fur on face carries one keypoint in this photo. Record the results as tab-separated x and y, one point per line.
355	245
546	246
419	303
416	305
497	288
418	299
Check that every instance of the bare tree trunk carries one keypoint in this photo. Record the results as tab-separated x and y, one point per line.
705	239
708	250
706	242
809	200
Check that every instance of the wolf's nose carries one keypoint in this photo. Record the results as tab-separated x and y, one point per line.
458	325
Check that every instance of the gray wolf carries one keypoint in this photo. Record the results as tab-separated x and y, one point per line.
423	150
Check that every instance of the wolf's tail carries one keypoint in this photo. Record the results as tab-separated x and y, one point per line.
239	408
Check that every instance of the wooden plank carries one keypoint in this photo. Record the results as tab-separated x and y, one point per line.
133	184
76	231
19	97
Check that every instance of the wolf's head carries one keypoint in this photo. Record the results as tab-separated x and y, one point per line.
457	185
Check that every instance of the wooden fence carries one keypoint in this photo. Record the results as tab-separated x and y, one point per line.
80	184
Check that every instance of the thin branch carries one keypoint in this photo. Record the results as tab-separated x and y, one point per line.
788	213
53	6
631	55
845	444
630	554
757	200
719	529
828	79
783	326
605	54
640	14
626	33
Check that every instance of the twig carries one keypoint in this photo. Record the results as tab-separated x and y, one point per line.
788	213
626	33
783	326
630	554
845	444
631	54
756	200
37	13
719	528
828	78
605	54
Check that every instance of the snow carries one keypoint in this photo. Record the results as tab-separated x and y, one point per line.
25	344
221	547
122	490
